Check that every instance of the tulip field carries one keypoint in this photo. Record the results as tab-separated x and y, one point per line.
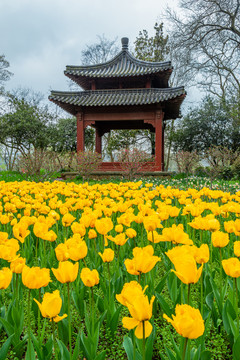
125	270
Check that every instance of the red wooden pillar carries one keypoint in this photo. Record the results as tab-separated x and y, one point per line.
80	132
163	127
159	140
98	142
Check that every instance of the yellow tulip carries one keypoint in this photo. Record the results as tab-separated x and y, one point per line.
131	233
51	306
78	228
66	271
17	265
92	234
34	277
77	249
141	311
89	277
236	248
188	321
5	277
20	231
220	239
129	291
67	219
143	260
61	252
104	225
119	228
152	222
186	269
40	229
231	267
176	235
107	255
119	239
201	255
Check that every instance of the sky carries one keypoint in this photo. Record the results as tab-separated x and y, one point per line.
40	37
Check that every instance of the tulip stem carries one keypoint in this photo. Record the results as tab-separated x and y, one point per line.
39	299
143	344
36	251
92	310
235	279
221	283
134	347
184	348
17	289
201	293
109	283
44	252
54	339
29	324
69	322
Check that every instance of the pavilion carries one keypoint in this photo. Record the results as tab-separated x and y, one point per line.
123	93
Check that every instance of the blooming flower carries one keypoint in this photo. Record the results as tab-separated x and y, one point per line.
89	277
220	239
66	271
5	277
107	255
143	260
188	321
141	312
51	306
34	277
231	267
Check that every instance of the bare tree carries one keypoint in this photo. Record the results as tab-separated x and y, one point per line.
207	39
101	51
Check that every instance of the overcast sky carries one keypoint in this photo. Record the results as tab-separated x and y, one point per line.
40	37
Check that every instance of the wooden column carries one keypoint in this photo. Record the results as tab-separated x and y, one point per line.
98	142
158	140
163	128
80	132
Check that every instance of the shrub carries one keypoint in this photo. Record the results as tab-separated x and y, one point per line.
38	164
86	163
132	161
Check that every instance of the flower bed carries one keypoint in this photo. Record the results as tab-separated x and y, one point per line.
118	271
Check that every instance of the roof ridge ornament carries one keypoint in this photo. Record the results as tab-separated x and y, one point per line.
124	41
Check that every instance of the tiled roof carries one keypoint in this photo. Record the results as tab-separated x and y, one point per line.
116	97
122	65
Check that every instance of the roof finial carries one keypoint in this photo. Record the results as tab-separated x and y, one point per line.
124	43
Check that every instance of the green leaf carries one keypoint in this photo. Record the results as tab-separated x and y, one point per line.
228	309
206	355
113	323
172	286
128	346
162	283
234	329
149	344
101	356
65	355
170	354
63	331
4	348
30	354
164	305
236	349
77	348
216	295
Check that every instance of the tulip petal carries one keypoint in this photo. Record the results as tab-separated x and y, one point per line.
139	329
129	323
